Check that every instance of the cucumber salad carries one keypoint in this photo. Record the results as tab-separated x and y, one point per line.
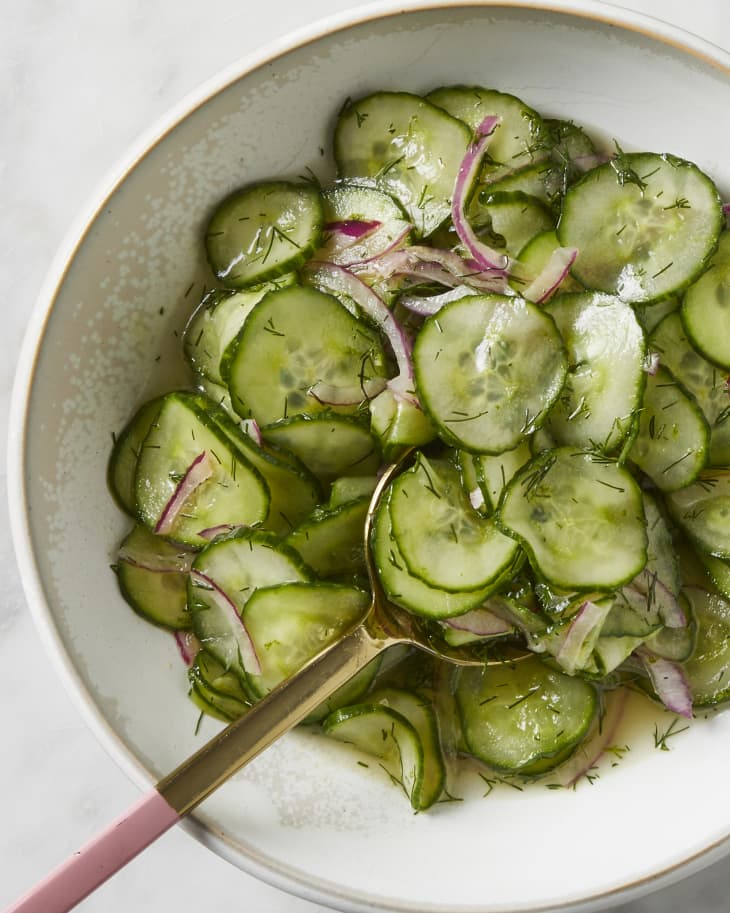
543	326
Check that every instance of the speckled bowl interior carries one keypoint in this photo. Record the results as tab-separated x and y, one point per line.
305	816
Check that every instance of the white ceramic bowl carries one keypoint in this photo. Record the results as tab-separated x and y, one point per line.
305	817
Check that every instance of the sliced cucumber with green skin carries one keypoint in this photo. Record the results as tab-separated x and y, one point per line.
181	442
706	308
212	327
532	260
494	472
223	578
351	488
509	219
263	231
152	575
127	448
674	438
407	590
329	445
398	424
349	693
383	732
295	341
521	137
294	491
703	380
703	511
215	691
708	669
476	362
719	571
407	148
330	541
580	518
523	717
651	315
661	551
291	623
442	539
644	225
605	381
420	714
348	202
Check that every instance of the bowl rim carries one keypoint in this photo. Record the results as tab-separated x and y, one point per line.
600	11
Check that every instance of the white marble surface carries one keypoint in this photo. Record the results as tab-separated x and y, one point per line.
79	81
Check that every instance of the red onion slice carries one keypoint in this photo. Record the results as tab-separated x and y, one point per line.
426	305
486	258
212	531
581	633
549	278
434	264
188	646
250	427
480	622
224	602
198	472
352	228
669	681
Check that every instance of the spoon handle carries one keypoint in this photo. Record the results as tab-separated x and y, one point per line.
179	792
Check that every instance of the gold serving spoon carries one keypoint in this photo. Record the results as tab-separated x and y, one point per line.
177	794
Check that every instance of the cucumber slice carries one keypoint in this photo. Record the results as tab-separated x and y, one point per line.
407	148
215	691
263	231
383	732
330	541
703	511
398	424
294	491
606	377
125	453
420	714
523	717
706	308
294	339
442	539
508	220
699	377
475	363
407	590
329	445
719	571
349	693
214	325
674	438
291	623
351	488
708	669
181	437
580	518
152	575
521	137
494	472
644	225
350	202
223	578
532	260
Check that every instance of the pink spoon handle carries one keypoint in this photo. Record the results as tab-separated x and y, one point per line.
100	858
